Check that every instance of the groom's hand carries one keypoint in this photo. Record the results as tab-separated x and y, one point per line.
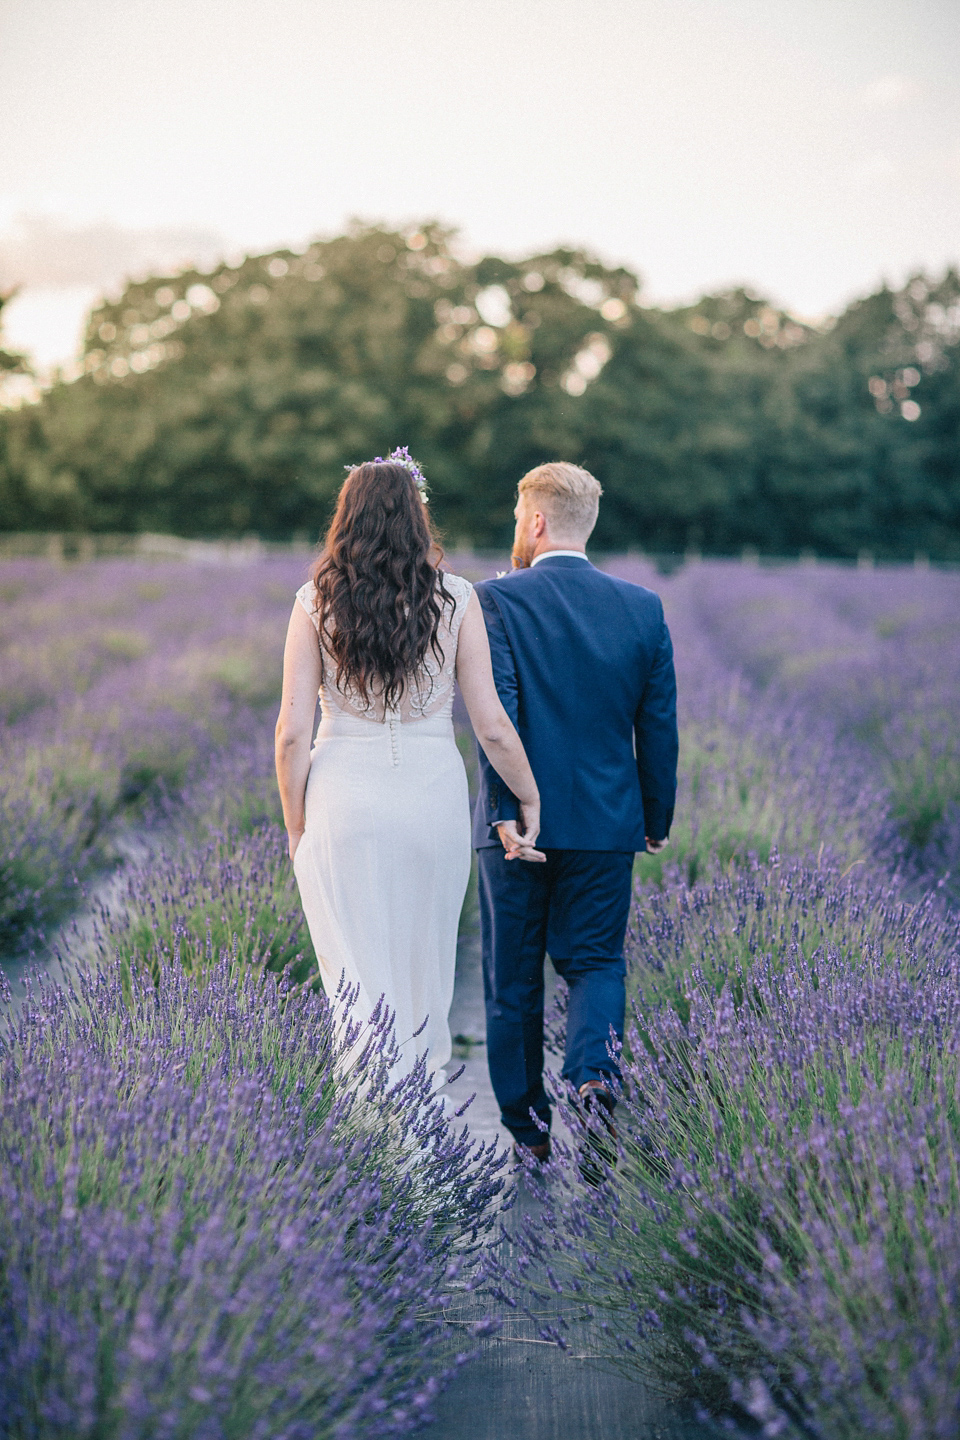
517	846
655	846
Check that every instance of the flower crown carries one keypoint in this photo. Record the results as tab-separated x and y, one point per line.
402	456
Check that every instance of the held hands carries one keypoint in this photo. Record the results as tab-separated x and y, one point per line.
519	843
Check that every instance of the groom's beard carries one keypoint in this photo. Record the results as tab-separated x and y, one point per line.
522	555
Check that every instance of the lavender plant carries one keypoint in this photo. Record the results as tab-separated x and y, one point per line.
219	1219
777	1233
119	684
863	1338
789	914
50	835
874	653
236	791
234	894
757	775
753	784
725	1242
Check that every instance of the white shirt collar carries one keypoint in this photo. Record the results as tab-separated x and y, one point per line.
551	554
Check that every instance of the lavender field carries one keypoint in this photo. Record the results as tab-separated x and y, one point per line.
775	1234
213	1225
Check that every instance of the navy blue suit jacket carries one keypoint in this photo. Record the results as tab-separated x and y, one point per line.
584	666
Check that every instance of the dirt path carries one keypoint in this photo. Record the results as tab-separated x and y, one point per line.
520	1387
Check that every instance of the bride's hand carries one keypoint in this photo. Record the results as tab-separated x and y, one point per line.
519	843
530	822
293	840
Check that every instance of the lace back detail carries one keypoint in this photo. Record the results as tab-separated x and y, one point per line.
426	694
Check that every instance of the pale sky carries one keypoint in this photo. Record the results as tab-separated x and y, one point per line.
808	148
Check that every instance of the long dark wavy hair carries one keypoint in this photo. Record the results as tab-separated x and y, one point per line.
380	592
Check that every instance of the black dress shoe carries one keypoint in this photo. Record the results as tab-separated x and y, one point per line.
540	1153
596	1100
597	1154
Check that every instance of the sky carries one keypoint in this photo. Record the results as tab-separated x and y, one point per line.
807	148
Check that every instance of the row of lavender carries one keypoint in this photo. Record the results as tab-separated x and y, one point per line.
775	1232
118	680
219	1217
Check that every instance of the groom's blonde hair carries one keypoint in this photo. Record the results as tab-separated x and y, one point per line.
568	496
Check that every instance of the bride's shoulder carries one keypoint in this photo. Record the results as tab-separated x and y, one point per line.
307	597
456	586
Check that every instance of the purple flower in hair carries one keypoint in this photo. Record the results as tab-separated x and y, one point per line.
401	456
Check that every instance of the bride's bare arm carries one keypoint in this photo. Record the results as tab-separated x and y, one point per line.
302	674
492	725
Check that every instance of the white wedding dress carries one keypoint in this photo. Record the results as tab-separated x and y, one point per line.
384	860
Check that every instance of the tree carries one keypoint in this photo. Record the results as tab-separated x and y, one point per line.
869	455
231	401
9	360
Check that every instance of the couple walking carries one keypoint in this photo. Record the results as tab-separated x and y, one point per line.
567	676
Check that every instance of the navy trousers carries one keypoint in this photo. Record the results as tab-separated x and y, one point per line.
575	907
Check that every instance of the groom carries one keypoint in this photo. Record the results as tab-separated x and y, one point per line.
584	667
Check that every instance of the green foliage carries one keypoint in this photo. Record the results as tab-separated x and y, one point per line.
850	467
228	402
9	360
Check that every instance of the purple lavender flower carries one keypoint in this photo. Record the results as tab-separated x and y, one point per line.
208	1225
781	1205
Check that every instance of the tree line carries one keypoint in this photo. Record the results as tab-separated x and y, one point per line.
229	402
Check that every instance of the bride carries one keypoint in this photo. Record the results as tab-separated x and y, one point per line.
377	811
